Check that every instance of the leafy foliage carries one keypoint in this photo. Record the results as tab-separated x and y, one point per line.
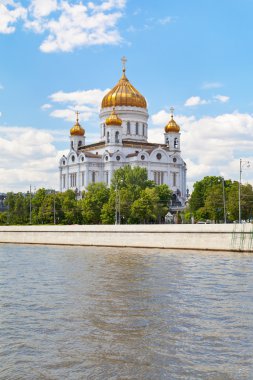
207	200
139	201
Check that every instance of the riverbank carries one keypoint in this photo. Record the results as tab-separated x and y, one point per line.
221	237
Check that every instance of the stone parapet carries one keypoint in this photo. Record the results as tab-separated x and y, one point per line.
220	237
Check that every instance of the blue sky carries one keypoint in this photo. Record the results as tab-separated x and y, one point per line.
58	56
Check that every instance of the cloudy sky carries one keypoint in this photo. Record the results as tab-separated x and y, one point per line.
57	56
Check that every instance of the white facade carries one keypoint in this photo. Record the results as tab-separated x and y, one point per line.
125	144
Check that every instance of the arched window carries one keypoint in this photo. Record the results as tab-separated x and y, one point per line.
143	129
117	137
79	143
128	128
174	179
93	177
137	128
72	144
103	129
175	142
108	137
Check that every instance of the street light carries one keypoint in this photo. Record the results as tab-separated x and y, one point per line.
30	204
224	201
243	163
54	209
117	203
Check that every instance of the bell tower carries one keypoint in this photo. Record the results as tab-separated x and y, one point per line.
77	135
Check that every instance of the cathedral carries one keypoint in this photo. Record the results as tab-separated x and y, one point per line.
124	141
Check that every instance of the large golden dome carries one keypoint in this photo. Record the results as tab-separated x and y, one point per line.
77	130
124	94
172	126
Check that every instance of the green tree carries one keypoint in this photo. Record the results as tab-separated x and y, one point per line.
214	206
3	218
37	209
201	190
18	208
94	198
246	202
70	208
145	209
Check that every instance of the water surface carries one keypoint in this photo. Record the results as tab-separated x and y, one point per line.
108	313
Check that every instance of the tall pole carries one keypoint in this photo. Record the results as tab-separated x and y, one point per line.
119	207
54	209
239	201
116	204
30	204
224	201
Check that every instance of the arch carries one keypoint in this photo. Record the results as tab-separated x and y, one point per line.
176	142
128	128
117	137
108	137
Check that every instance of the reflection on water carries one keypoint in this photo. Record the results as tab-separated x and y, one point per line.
104	313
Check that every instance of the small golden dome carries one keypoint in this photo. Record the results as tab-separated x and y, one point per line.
172	126
124	94
77	130
113	119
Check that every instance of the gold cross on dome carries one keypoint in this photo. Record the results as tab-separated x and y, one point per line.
172	111
124	61
77	115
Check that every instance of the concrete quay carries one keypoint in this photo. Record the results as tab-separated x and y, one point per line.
215	237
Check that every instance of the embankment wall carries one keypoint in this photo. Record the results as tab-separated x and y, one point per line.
222	237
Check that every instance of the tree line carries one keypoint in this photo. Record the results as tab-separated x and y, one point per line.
211	194
131	199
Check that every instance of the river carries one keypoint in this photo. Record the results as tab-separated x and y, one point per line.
110	313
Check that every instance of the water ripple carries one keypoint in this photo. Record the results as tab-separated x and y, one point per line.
96	313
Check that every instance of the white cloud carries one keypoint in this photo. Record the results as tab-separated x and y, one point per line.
46	106
221	98
42	8
67	24
10	14
211	85
107	5
211	145
86	102
195	101
165	20
28	156
91	97
75	25
69	115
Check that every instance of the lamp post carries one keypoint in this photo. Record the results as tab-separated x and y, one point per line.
242	165
30	204
224	201
117	205
54	209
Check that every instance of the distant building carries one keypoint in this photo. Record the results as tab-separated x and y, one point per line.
3	207
124	141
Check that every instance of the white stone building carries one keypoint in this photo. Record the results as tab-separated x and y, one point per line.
124	141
